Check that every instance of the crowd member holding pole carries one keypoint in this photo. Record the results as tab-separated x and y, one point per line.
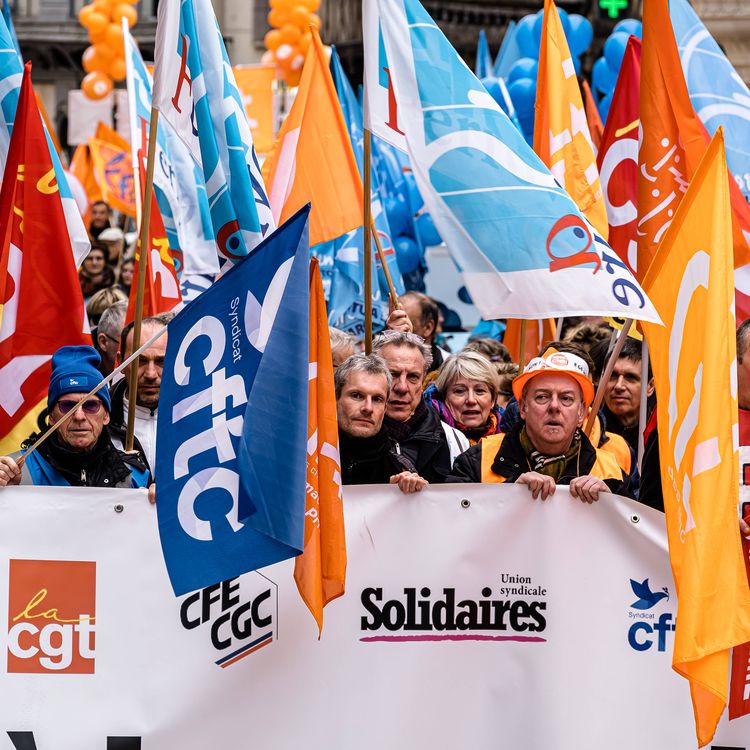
429	443
424	315
80	453
368	454
547	447
464	395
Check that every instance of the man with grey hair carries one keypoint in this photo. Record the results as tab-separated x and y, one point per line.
429	443
343	345
368	454
107	335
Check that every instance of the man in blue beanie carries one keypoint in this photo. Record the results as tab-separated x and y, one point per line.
80	453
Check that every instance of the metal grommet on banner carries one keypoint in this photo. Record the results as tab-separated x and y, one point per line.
634	518
119	508
465	503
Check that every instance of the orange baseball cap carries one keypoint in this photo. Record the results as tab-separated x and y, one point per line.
564	363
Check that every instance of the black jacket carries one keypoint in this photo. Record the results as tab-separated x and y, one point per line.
425	446
118	425
371	460
510	462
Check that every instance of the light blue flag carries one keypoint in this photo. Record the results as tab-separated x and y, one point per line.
11	28
483	67
508	53
11	74
195	91
232	442
178	183
524	248
718	94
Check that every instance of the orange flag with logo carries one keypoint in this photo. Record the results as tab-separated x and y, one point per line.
673	142
561	132
114	174
320	571
694	362
312	160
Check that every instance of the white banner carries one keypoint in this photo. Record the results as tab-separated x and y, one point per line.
474	617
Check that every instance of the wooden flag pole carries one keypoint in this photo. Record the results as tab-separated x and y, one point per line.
386	271
142	268
91	393
522	346
643	413
613	357
368	243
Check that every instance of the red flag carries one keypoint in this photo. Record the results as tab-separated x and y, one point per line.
618	157
320	571
42	302
162	291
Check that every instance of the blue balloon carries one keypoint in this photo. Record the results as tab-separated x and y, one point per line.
564	21
528	44
538	23
614	50
525	67
602	78
523	95
493	88
426	231
397	212
603	107
576	64
630	26
413	196
581	34
408	256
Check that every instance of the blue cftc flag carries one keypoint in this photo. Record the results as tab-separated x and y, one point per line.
233	418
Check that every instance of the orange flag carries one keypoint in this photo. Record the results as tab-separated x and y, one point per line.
561	133
105	133
114	174
255	84
538	334
673	142
694	361
596	126
320	571
312	160
81	167
42	302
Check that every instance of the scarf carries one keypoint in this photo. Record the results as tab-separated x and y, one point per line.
401	431
550	466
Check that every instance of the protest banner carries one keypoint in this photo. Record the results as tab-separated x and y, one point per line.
473	617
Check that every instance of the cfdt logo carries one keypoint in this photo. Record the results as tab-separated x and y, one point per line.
649	628
238	616
51	616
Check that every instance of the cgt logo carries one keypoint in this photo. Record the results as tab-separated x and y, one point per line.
51	615
647	628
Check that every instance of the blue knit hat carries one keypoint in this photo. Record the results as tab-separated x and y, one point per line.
74	370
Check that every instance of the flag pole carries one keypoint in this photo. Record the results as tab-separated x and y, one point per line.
53	428
143	266
522	346
606	375
643	412
386	270
367	244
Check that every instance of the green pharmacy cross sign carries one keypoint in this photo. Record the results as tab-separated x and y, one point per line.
613	7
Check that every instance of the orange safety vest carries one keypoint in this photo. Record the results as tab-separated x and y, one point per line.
605	467
616	445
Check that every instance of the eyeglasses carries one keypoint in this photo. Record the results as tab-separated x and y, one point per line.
90	406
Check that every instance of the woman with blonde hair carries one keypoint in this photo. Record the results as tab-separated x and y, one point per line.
464	395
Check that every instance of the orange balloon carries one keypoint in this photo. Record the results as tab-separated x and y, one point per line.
304	43
116	69
104	7
97	22
268	58
278	17
99	37
96	85
115	39
272	39
290	34
311	5
315	20
292	77
83	15
122	10
274	4
90	60
286	4
284	53
104	52
299	15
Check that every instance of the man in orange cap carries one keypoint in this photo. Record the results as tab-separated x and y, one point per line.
547	447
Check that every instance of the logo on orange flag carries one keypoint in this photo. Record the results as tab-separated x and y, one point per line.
312	160
114	175
694	361
320	571
561	132
673	141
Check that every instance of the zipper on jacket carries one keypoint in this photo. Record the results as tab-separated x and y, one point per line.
83	476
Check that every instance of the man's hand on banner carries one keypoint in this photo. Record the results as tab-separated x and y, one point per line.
10	471
587	488
537	483
409	481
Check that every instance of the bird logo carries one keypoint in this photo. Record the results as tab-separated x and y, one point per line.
646	597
